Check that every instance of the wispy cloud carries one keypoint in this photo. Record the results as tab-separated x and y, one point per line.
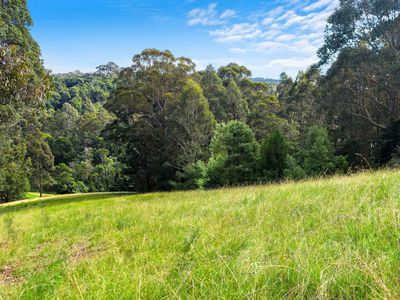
286	36
209	16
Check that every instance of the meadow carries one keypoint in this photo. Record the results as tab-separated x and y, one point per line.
325	238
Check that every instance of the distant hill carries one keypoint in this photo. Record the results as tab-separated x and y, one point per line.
266	80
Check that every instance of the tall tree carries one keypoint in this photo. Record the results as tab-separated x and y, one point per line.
42	159
215	92
24	85
236	105
146	94
264	110
193	126
360	91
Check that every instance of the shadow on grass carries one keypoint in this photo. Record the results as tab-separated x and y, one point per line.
58	200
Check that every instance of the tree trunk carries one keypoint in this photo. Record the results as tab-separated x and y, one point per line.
40	186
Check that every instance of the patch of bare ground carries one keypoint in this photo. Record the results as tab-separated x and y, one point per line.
8	277
50	243
83	250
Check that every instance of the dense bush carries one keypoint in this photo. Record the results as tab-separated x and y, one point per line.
234	155
319	154
15	171
273	156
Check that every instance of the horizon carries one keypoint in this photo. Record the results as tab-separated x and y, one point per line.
268	37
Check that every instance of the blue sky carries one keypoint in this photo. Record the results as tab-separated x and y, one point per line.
266	36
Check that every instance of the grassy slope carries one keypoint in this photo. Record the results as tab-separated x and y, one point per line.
336	238
34	195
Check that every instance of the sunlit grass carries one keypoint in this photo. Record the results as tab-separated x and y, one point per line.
334	238
34	195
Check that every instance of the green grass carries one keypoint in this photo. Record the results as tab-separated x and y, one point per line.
334	238
34	195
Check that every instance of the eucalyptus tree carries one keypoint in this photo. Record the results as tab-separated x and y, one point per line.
360	91
146	95
24	85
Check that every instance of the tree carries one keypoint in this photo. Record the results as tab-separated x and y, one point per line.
193	176
64	180
319	155
360	90
274	156
264	110
236	106
234	155
14	171
233	71
388	144
300	98
111	69
193	126
24	85
372	23
215	92
42	159
146	95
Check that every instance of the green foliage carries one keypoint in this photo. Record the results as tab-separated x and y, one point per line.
193	176
319	154
191	127
84	91
42	160
236	106
293	170
233	71
360	90
234	155
64	181
215	93
146	96
273	156
14	171
350	25
24	83
388	144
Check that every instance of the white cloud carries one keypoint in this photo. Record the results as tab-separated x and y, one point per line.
227	14
317	5
293	63
287	36
236	33
238	50
209	16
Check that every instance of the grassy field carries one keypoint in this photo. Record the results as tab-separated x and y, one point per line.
334	238
34	195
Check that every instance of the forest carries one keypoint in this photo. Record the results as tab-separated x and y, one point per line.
161	124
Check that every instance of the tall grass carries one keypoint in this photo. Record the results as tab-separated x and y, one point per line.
334	238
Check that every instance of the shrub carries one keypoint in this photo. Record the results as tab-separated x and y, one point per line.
14	171
64	181
319	154
273	156
293	170
234	155
192	177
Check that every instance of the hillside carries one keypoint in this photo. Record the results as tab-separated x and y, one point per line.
334	238
266	80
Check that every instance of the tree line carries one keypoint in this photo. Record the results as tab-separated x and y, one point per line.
161	125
